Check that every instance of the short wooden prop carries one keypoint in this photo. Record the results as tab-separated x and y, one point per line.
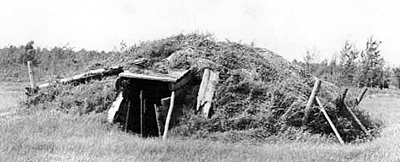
310	102
171	107
329	120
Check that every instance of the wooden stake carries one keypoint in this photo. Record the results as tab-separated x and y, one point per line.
314	92
171	106
31	75
329	121
361	96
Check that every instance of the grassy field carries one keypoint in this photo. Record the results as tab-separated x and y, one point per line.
43	135
10	95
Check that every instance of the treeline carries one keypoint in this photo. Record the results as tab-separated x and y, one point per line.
50	63
353	67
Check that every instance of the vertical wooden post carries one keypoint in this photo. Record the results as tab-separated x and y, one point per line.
361	96
329	121
141	113
31	75
314	92
158	114
127	115
171	107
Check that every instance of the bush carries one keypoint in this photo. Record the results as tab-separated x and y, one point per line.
92	97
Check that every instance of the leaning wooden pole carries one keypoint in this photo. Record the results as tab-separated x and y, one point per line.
329	121
31	75
358	121
310	102
171	107
361	96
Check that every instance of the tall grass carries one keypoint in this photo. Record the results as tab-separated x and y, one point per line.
49	135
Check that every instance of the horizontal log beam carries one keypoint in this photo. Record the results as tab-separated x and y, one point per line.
81	77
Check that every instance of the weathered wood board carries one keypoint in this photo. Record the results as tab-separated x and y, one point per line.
206	92
114	107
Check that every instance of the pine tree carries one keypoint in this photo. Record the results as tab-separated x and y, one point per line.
371	65
348	56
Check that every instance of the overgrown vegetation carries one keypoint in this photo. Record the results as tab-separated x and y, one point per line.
257	88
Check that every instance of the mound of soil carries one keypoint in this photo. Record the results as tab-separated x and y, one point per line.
256	89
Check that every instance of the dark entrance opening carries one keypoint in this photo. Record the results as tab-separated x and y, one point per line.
144	101
140	97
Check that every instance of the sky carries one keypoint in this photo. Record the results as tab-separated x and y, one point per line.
286	27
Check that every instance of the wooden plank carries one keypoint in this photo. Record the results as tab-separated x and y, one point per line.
148	77
114	107
329	121
180	82
209	94
31	75
174	77
310	102
361	96
171	107
206	91
202	89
